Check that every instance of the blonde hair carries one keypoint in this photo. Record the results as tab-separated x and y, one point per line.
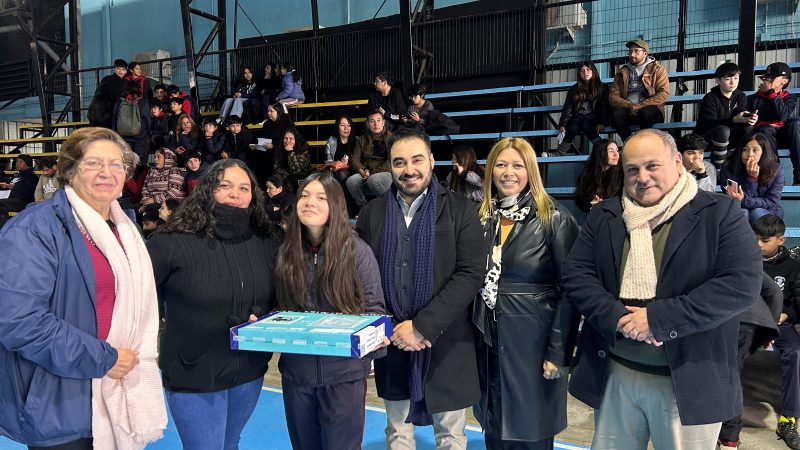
544	203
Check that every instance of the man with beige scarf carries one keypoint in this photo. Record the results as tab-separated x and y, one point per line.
657	353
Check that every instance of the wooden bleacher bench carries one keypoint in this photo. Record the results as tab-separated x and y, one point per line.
32	140
37	127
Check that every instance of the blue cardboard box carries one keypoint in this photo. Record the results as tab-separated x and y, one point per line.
313	333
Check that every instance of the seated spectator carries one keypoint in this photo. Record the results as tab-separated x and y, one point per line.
585	109
466	178
723	118
195	168
135	74
601	177
22	185
292	159
440	124
150	221
269	86
278	196
160	95
785	270
639	92
48	181
159	126
753	175
339	148
370	161
275	125
774	108
167	207
187	104
139	142
388	100
237	140
291	86
175	111
246	89
213	140
162	182
101	109
418	111
692	147
186	138
132	190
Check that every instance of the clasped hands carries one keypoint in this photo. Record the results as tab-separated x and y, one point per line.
408	339
634	326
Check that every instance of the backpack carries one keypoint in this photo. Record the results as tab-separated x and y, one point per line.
438	124
129	119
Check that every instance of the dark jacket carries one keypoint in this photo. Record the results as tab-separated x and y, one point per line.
48	329
159	126
237	145
534	323
458	269
101	108
275	205
310	370
773	109
716	109
213	146
24	185
764	314
144	116
371	153
755	194
393	105
695	313
204	285
785	270
596	107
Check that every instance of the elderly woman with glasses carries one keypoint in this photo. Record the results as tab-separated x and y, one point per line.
80	317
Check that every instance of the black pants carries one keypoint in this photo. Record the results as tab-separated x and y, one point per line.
732	427
79	444
788	343
645	118
8	205
786	136
584	124
325	417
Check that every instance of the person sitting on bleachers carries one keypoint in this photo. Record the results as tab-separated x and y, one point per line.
163	181
186	139
388	100
723	118
22	185
175	110
418	111
753	175
370	161
269	85
213	140
187	104
195	168
292	158
101	109
291	86
777	118
159	126
277	197
466	178
160	96
585	108
135	74
639	92
48	182
785	270
601	177
237	140
692	147
246	89
338	149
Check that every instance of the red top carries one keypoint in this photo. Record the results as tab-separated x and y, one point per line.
104	287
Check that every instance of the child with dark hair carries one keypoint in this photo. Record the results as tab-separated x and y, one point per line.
585	109
388	100
753	175
779	265
237	139
277	197
692	147
292	158
213	140
418	110
159	126
724	118
466	178
291	86
601	177
160	95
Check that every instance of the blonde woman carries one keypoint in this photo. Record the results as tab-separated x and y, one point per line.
527	330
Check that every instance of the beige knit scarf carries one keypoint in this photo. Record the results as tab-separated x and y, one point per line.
641	274
127	413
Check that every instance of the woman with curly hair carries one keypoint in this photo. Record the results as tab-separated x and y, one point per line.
585	108
601	177
213	262
292	158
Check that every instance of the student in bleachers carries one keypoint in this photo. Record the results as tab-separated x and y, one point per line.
785	270
135	74
418	110
601	177
213	140
466	178
324	395
237	140
370	161
291	86
388	100
159	126
213	263
186	138
723	118
101	109
195	168
163	181
140	143
585	108
753	175
160	96
777	116
639	92
22	185
246	89
692	147
275	125
187	104
523	357
175	110
278	196
269	85
167	207
132	190
338	149
292	158
48	181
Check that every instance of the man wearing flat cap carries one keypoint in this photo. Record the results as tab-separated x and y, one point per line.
639	91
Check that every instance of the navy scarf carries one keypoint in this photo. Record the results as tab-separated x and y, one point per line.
422	290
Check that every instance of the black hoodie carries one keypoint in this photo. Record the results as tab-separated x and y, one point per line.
785	270
716	109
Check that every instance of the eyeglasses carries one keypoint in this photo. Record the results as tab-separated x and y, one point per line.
635	50
96	165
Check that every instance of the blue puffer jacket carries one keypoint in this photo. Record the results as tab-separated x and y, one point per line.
48	328
291	88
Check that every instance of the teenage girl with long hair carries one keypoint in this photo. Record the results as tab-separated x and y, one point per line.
585	108
601	177
466	178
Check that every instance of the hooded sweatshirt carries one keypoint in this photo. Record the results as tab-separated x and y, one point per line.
785	270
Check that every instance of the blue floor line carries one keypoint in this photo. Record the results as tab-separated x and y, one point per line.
266	430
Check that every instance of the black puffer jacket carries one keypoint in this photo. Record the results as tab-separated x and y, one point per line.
597	107
716	109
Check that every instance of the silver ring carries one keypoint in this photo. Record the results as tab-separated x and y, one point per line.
636	332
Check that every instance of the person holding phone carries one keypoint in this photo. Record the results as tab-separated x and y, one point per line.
753	175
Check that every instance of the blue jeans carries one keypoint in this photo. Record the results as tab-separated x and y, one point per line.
213	420
755	214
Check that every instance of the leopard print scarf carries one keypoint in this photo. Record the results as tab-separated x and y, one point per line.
514	208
